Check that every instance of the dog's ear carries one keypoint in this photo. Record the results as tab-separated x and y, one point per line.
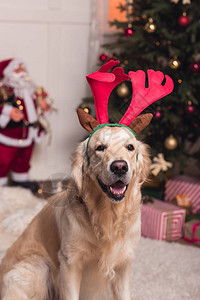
144	161
79	159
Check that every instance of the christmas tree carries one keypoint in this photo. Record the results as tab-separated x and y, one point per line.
162	35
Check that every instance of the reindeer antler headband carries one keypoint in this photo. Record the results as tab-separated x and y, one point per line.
102	83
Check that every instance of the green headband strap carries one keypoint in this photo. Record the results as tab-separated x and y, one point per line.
109	125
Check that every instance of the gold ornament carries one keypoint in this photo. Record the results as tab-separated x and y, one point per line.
40	191
171	143
150	26
86	108
174	63
123	90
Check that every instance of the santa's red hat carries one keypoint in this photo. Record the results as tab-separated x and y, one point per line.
7	66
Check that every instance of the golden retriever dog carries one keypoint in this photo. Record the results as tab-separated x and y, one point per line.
84	238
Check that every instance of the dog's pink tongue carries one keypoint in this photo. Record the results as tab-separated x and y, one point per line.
117	188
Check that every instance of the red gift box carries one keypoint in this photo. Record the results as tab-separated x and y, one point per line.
183	184
162	220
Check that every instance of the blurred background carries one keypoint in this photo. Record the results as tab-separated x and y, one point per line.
61	41
52	38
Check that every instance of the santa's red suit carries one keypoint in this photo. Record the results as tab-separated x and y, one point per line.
16	138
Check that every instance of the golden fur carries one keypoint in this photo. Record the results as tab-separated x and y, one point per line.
82	240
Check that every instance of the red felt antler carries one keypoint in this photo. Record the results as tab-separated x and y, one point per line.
102	84
143	97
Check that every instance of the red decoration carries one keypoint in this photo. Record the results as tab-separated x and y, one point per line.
183	21
103	57
195	67
189	109
143	97
158	115
102	83
128	31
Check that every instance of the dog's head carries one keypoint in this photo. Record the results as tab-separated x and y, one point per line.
113	158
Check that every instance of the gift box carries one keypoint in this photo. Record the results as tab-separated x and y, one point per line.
162	220
192	232
187	185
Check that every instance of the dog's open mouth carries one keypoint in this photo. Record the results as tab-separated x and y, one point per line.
115	191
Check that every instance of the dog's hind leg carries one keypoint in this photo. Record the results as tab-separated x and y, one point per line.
28	279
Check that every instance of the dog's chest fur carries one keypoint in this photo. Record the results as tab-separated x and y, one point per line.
102	239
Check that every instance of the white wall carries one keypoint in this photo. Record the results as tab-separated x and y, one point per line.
52	37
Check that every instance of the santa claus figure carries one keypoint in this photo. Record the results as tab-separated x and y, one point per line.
19	123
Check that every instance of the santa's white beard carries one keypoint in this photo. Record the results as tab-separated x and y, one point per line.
19	83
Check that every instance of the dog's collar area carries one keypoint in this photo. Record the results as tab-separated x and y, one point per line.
108	125
80	199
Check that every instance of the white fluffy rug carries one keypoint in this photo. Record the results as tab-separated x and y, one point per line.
17	208
161	271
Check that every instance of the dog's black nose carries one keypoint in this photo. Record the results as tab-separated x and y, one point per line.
119	167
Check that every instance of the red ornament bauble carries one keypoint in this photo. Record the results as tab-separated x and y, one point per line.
189	109
103	57
183	21
158	115
195	67
128	31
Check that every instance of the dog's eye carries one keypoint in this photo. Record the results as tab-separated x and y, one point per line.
100	148
130	147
